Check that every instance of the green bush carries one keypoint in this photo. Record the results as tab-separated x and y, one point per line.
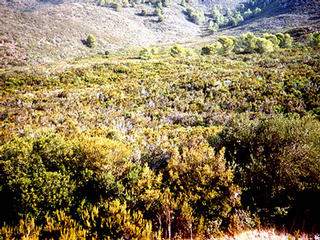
213	27
313	39
34	177
161	18
117	6
218	17
236	18
208	50
195	16
264	45
94	185
91	41
248	13
275	160
285	40
247	43
157	12
273	38
227	45
145	54
143	12
177	51
256	11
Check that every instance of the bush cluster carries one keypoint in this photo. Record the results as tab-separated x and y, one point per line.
249	43
180	185
276	162
158	149
195	16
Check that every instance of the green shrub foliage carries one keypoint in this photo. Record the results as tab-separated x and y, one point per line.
285	40
313	39
96	176
195	16
227	45
276	161
177	147
91	41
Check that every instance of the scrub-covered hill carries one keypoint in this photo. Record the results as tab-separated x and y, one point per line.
46	31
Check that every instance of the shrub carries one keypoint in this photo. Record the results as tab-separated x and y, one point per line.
275	160
313	39
191	183
145	54
177	51
195	16
273	38
256	11
236	18
227	45
208	50
246	43
143	12
213	27
157	12
248	13
161	18
34	179
165	3
107	54
228	12
285	40
264	45
117	6
91	41
218	17
125	3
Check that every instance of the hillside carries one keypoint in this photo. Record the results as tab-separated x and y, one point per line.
158	119
46	31
180	145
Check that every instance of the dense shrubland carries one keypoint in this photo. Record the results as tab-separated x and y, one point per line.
249	43
189	146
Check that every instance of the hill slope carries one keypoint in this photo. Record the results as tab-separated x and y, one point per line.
46	31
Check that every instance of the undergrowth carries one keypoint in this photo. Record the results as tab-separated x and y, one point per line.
187	146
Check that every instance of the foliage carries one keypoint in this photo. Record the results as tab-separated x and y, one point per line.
285	40
275	160
256	11
195	16
48	172
248	13
123	148
91	41
217	16
264	45
213	27
145	54
313	39
158	12
236	18
227	45
161	18
247	43
208	50
143	12
273	38
117	6
177	51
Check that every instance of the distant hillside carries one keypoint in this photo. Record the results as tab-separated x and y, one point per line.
45	31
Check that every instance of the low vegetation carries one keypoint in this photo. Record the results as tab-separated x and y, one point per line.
189	143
